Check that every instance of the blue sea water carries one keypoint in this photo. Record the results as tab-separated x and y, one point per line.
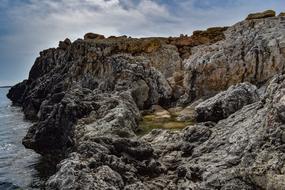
20	168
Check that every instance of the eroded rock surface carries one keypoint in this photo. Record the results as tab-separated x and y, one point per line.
253	51
86	98
244	151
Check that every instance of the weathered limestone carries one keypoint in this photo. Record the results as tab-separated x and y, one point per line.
252	52
86	98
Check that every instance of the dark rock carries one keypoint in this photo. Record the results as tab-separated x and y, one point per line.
92	36
65	44
17	92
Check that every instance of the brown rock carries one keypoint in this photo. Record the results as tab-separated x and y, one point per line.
265	14
184	43
92	36
282	14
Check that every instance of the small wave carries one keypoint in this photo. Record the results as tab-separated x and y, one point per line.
8	186
6	147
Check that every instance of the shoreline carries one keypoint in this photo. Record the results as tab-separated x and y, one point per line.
88	102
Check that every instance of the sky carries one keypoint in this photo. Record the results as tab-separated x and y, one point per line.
30	26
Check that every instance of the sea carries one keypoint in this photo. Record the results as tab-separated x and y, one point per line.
20	168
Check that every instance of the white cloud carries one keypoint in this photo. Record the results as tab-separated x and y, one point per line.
40	24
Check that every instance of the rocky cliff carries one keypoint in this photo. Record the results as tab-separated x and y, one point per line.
87	99
253	51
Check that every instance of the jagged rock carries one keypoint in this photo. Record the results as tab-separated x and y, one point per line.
252	52
17	92
225	103
282	14
265	14
65	44
86	97
243	151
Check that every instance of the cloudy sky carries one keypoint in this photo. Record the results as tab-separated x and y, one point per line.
29	26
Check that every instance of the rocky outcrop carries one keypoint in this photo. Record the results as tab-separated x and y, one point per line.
226	103
63	81
59	100
253	51
87	96
265	14
244	151
16	92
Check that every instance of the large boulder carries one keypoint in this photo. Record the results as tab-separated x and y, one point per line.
226	103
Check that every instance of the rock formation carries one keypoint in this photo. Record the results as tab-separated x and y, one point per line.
87	98
253	51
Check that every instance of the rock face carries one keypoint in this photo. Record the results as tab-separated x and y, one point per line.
253	51
74	91
86	98
225	103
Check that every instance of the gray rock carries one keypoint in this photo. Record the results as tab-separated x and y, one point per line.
251	52
86	98
226	103
243	151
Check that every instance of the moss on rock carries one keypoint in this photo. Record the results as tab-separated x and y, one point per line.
265	14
